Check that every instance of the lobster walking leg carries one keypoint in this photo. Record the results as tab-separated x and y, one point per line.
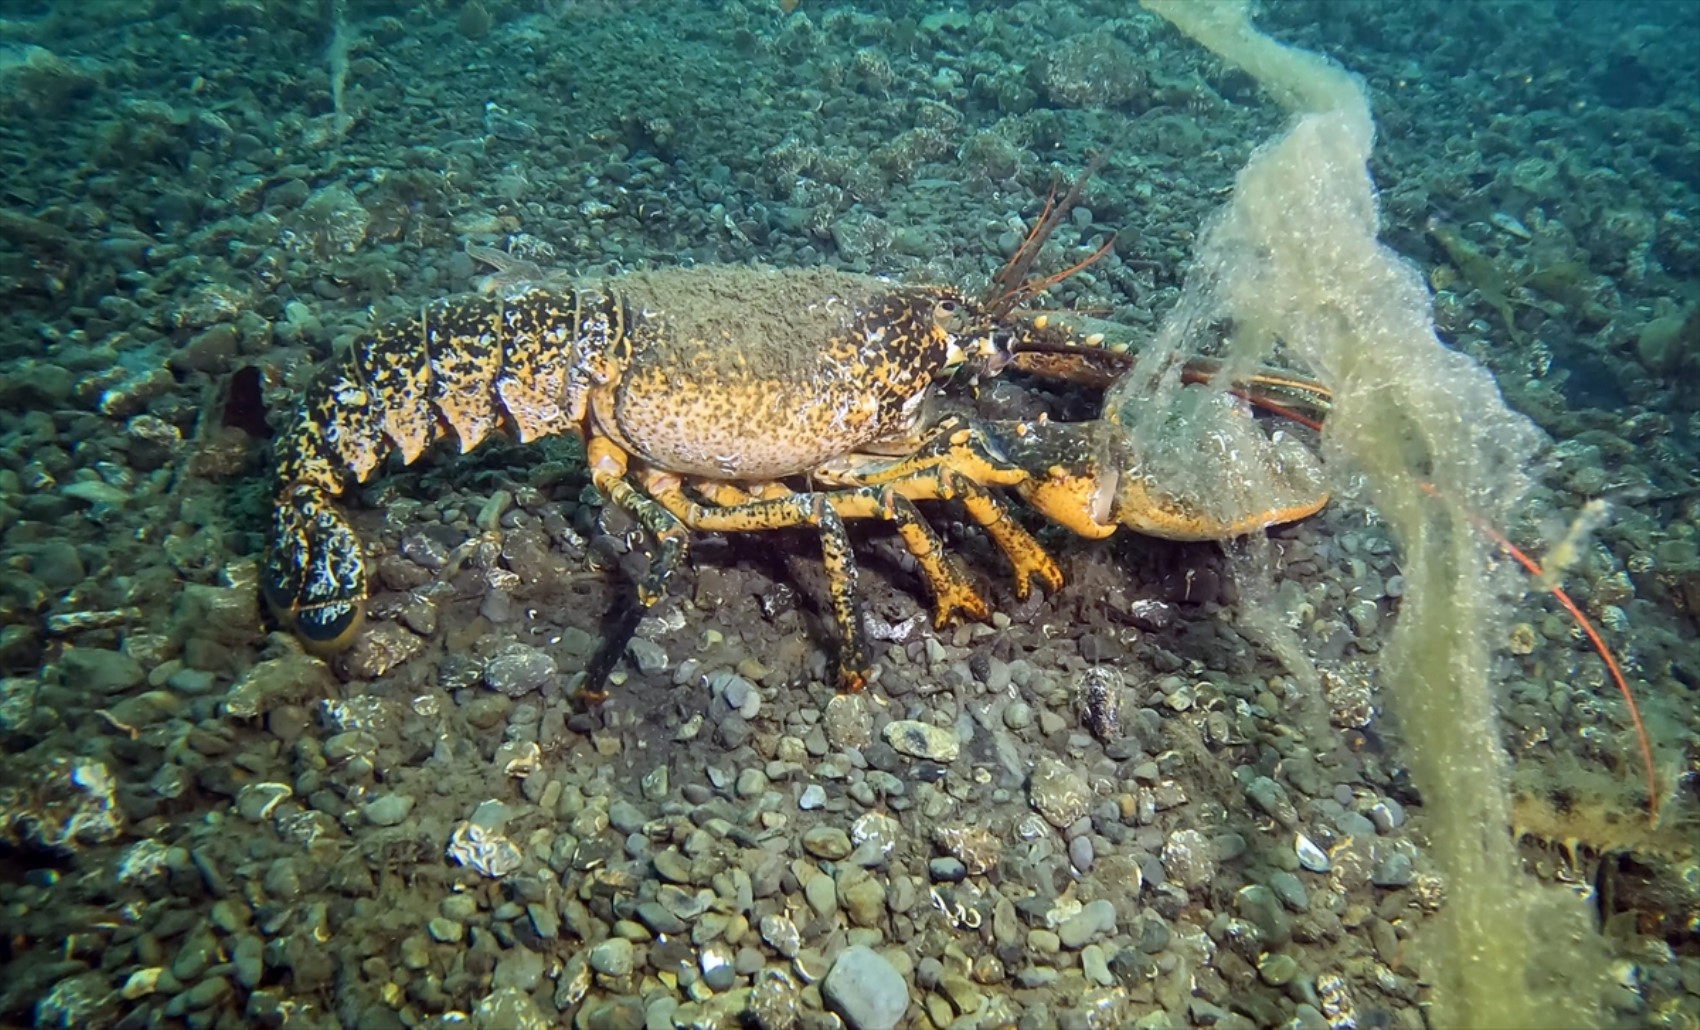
958	462
801	509
950	587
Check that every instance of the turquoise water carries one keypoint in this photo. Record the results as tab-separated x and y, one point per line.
204	193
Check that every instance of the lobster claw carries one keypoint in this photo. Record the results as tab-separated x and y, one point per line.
315	574
1074	470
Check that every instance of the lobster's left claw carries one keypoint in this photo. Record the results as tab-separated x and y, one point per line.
315	573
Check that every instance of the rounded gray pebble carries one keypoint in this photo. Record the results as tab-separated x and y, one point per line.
865	991
389	810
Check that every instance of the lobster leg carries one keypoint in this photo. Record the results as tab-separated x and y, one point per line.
801	509
950	587
957	463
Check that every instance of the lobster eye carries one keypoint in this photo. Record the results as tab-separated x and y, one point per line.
947	313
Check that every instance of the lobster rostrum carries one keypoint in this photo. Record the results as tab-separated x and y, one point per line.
727	399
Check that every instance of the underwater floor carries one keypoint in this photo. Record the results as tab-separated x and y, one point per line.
1110	805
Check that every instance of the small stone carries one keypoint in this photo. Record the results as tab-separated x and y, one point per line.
781	934
444	931
1271	799
1387	815
1080	853
813	797
672	866
518	669
848	721
1393	872
415	952
388	810
1096	966
1277	969
862	896
1018	715
946	869
247	956
1257	905
1058	793
626	817
828	842
751	782
97	671
865	991
718	963
1097	919
649	657
658	919
520	969
612	957
544	919
1290	889
922	740
1189	859
821	895
459	907
207	993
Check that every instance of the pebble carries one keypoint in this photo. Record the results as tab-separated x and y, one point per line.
444	931
821	895
1290	889
862	896
1277	969
1392	872
1097	919
828	842
922	740
520	969
946	869
1189	859
518	669
649	657
1387	815
207	993
95	670
1257	905
459	907
1018	715
813	797
247	957
1080	853
612	957
865	991
655	916
388	810
672	866
1271	799
718	963
781	934
1352	824
848	722
1057	792
1096	966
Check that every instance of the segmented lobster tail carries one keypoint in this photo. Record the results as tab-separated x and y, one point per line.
467	365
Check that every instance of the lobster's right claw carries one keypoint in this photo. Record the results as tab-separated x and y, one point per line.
1074	469
315	572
